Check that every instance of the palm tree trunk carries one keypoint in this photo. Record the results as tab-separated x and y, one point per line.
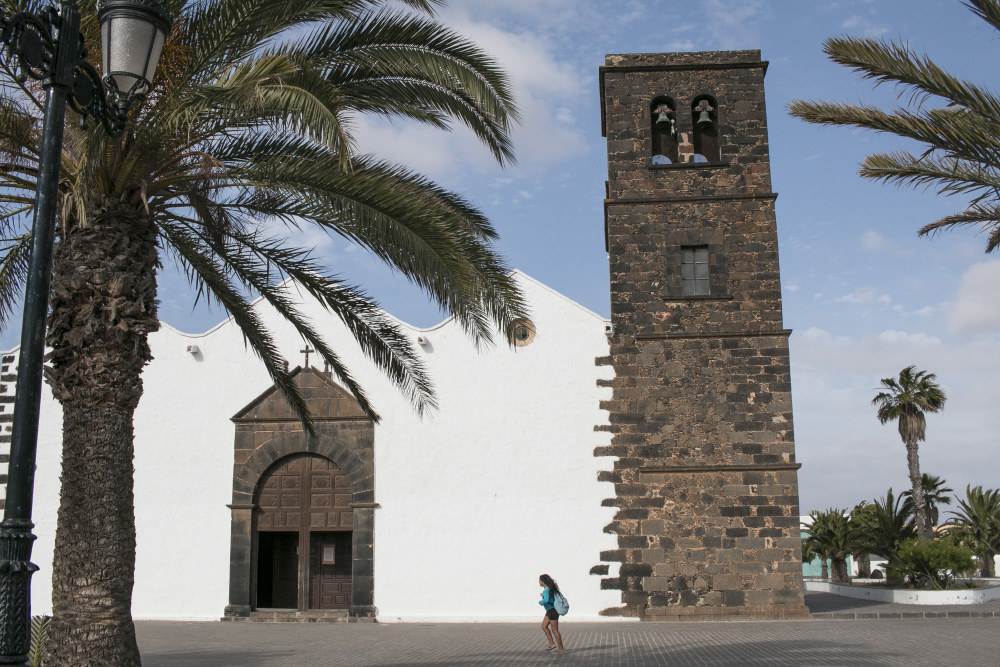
864	566
103	308
919	505
839	567
92	587
824	571
988	564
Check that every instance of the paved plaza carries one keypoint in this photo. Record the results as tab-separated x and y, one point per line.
878	634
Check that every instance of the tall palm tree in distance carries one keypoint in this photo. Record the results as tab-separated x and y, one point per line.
905	400
935	494
248	133
956	123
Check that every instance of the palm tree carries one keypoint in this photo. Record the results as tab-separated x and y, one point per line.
905	401
977	524
935	494
249	128
860	519
809	554
829	536
882	527
959	135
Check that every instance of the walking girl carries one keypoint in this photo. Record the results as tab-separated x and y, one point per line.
550	624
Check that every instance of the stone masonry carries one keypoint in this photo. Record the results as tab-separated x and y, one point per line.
701	412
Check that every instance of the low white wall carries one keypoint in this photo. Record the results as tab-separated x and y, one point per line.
967	596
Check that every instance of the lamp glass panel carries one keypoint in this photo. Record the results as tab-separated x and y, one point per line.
129	49
105	45
154	55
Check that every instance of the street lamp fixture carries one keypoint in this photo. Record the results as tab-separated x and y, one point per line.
132	36
47	46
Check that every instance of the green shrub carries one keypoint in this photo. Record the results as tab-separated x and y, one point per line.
936	561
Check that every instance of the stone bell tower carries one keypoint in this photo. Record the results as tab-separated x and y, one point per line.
705	482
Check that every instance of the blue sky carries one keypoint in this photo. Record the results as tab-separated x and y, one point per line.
864	296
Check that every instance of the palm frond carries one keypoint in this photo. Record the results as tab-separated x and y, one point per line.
379	336
947	175
443	73
206	273
433	238
962	138
13	272
894	63
988	10
985	215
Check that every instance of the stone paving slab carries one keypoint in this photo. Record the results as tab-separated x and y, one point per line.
910	642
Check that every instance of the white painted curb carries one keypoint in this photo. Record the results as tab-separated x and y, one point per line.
968	596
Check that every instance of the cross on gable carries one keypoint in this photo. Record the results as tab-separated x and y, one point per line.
307	352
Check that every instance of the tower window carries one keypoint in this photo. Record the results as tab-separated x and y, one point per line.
705	121
694	271
663	128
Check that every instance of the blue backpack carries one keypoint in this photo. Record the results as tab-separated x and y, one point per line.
560	604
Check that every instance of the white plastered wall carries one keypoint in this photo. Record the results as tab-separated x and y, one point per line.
475	500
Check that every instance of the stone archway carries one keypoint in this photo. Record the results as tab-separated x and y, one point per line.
267	434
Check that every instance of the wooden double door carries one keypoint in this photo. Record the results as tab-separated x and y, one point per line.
303	533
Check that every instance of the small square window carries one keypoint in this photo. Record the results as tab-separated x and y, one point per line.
694	271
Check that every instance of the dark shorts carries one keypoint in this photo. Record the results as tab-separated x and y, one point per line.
552	614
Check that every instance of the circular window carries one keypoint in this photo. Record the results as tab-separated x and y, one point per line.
523	333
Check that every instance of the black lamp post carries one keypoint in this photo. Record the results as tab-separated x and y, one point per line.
47	46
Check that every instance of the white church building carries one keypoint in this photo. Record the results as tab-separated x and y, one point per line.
452	516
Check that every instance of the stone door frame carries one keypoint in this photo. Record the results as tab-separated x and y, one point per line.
263	437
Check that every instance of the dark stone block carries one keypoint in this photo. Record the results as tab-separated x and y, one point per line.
599	569
733	599
636	570
616	584
688	598
770	511
735	511
632	542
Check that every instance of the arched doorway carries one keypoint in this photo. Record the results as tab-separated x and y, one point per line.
303	525
296	492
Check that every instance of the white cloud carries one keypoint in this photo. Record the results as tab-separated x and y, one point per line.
733	24
860	24
679	45
976	308
872	240
864	295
